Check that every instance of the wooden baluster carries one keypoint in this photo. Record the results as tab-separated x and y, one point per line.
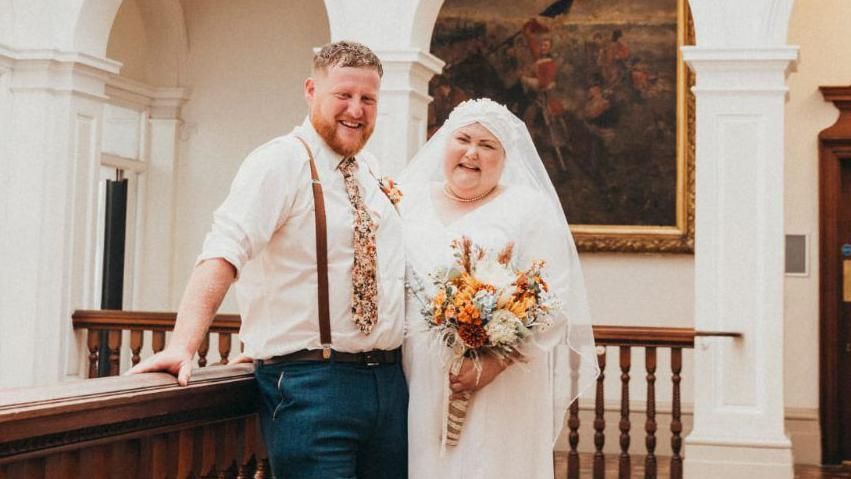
246	439
599	419
159	456
63	465
114	344
93	343
185	453
246	470
123	457
202	351
650	426
573	419
157	341
262	467
94	461
226	450
625	466
25	469
135	345
224	347
676	423
208	452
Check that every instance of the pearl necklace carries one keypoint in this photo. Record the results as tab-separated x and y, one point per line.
447	190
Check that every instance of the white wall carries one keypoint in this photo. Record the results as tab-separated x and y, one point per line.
819	27
247	65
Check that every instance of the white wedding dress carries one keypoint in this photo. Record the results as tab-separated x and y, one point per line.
508	431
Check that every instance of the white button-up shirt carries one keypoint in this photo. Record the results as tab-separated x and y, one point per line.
266	229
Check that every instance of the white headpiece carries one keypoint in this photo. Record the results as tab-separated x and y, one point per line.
577	369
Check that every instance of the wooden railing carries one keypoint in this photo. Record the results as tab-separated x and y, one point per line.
135	427
138	322
624	339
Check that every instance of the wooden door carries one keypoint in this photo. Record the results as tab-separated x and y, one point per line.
842	282
834	287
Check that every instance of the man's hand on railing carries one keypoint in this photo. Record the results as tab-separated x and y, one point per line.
172	361
242	358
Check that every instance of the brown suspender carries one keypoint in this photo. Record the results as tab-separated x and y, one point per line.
321	256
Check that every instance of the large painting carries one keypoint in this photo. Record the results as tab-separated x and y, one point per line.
604	92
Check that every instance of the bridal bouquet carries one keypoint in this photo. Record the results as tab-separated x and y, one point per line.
483	304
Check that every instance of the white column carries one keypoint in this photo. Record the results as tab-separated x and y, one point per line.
739	256
155	245
50	185
403	110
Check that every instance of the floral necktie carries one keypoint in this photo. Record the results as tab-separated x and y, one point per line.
364	284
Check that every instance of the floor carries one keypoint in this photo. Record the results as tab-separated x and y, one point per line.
801	471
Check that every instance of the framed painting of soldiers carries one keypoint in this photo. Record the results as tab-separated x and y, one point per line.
605	94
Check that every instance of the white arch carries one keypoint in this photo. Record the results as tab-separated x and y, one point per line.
7	21
164	22
384	24
93	24
165	37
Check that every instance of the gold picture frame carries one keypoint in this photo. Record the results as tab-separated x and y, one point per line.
483	43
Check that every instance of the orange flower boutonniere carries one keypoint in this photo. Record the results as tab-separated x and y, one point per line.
391	189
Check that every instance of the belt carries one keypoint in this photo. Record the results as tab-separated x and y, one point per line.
376	357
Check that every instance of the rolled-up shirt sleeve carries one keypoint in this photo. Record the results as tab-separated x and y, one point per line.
259	202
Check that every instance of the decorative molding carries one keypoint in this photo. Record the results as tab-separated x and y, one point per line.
58	71
415	56
164	103
408	71
751	68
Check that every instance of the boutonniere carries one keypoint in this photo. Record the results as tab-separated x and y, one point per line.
391	189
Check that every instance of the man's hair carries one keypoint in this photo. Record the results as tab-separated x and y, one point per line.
346	54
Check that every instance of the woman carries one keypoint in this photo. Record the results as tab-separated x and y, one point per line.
480	176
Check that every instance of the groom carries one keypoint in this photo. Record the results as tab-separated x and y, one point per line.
328	366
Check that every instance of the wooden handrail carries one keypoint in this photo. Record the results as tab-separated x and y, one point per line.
230	323
643	336
145	320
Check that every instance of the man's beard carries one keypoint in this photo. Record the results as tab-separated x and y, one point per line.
328	132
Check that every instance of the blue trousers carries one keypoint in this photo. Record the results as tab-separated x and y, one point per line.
334	420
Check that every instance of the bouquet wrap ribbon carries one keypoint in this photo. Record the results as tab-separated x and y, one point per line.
457	410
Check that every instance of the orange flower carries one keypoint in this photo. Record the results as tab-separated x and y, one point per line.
522	305
467	311
439	299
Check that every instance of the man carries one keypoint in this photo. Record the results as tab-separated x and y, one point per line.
335	410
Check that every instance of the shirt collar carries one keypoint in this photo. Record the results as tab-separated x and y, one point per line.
321	151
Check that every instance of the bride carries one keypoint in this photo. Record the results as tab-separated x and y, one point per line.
480	177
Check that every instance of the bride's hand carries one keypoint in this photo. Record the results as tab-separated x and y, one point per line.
465	380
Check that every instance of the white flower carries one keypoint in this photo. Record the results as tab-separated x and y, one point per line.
504	328
490	271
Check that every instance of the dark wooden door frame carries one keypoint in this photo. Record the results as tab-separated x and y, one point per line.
834	148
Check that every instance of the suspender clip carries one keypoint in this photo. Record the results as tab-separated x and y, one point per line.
326	351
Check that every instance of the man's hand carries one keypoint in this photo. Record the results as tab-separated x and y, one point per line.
242	358
175	362
465	380
205	291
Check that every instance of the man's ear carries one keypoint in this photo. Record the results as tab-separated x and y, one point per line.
309	90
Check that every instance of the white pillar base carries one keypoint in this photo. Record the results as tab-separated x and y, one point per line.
723	458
